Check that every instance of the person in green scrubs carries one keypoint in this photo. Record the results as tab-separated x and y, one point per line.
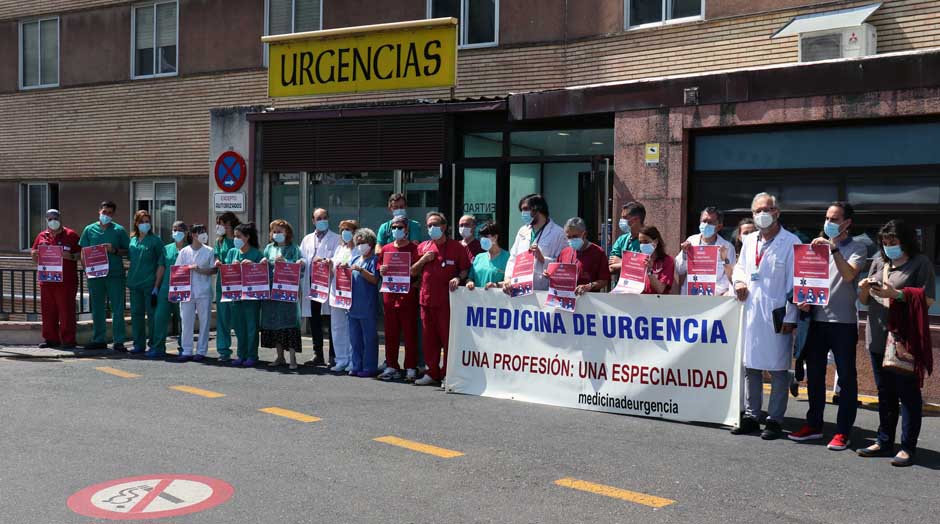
225	226
245	313
489	267
143	279
165	308
632	217
110	288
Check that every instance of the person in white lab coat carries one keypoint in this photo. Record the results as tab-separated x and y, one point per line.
316	246
339	317
539	235
763	276
710	225
201	260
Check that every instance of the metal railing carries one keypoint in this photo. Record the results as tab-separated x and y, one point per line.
19	295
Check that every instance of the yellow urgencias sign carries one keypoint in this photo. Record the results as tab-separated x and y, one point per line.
419	57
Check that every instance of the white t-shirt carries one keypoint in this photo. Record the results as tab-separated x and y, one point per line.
204	258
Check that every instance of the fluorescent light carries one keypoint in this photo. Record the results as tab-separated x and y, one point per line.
597	143
562	133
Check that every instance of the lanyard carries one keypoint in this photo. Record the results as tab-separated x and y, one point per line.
759	254
539	235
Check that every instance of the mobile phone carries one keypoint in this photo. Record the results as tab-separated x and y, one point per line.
874	283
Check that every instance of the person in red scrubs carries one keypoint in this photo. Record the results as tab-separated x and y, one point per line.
57	299
593	269
467	227
401	309
443	266
661	267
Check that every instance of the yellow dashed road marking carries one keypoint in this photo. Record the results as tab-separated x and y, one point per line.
196	391
419	447
617	493
116	372
293	415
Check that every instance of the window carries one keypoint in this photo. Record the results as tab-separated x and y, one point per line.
479	19
293	16
159	199
39	53
155	49
35	200
649	12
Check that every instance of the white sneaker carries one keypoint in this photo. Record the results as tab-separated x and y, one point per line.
426	381
383	366
389	374
411	375
338	369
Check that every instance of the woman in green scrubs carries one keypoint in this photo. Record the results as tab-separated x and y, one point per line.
161	319
489	267
146	256
245	313
225	226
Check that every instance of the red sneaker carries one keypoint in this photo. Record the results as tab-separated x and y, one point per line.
805	433
838	442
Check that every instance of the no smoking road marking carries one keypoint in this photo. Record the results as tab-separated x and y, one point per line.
150	497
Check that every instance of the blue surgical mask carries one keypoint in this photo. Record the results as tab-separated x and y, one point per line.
399	213
526	218
178	236
647	249
894	252
104	219
624	225
363	250
239	243
435	232
144	227
486	243
323	225
832	229
707	230
398	234
576	243
278	237
347	236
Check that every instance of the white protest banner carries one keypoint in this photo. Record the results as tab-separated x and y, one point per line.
648	355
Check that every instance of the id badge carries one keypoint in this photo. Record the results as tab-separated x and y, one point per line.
755	277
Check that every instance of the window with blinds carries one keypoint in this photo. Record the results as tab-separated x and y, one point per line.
155	36
293	16
39	53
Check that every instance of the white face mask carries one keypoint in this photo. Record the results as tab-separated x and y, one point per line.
763	220
203	237
219	230
363	250
54	224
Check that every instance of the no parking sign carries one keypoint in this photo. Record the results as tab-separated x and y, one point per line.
230	171
150	497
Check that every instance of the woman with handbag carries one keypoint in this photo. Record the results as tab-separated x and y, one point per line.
899	289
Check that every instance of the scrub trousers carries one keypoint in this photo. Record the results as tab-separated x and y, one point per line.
142	317
339	325
223	328
436	322
161	321
400	321
196	307
364	344
57	305
103	290
245	317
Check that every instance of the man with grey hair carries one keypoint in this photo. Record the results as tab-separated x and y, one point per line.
315	247
593	271
467	227
763	277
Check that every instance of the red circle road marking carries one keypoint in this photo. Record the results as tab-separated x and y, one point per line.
150	497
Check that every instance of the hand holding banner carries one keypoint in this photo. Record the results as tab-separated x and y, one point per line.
633	274
231	275
286	282
397	275
562	282
811	274
255	284
95	259
342	293
319	281
180	284
49	263
702	262
523	275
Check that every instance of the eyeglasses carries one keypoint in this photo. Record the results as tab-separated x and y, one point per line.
398	227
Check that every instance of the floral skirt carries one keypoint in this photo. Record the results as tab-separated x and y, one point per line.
286	338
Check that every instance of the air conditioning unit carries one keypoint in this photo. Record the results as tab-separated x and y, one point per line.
849	42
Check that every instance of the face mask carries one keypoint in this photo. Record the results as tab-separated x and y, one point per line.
323	225
893	252
831	229
575	243
398	234
526	218
399	213
363	250
239	243
647	249
54	224
178	236
203	238
219	230
143	227
104	219
763	220
347	235
486	243
707	230
279	237
435	232
624	225
466	232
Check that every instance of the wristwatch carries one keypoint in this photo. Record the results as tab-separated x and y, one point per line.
727	262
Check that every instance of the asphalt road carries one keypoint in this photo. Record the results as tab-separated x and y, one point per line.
67	424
